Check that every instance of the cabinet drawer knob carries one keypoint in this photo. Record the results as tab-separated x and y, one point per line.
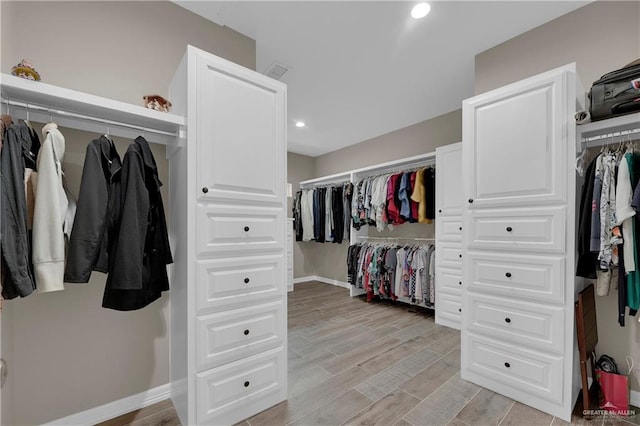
246	229
508	275
470	200
460	255
246	332
246	384
460	228
459	309
459	282
439	210
246	280
507	320
205	189
506	364
509	229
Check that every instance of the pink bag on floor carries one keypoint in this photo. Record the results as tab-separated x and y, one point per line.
614	390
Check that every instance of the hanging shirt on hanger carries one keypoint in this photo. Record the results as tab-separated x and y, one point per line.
50	220
140	250
18	277
97	213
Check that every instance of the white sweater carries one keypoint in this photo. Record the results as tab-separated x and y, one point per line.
51	204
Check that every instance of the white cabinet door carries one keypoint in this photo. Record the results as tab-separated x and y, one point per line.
515	149
240	119
449	191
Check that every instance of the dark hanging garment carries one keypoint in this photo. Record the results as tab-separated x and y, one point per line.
18	278
587	260
140	251
319	212
430	192
622	287
337	207
297	215
97	212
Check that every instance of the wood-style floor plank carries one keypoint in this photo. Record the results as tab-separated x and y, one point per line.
373	363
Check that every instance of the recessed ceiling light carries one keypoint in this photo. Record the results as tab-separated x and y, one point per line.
300	124
420	10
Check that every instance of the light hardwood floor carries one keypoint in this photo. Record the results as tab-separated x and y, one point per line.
358	363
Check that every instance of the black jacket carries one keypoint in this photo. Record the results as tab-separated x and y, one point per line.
18	274
97	212
587	260
140	251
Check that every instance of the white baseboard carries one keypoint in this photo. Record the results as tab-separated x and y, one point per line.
322	280
116	408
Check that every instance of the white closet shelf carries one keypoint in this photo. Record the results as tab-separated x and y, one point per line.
604	130
404	163
122	119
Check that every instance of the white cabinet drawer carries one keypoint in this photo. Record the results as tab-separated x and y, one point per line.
229	283
538	326
449	228
233	392
518	229
449	255
449	308
448	279
538	278
501	365
230	335
224	229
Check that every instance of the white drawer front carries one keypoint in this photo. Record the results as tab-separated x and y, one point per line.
223	228
532	372
448	279
539	326
449	307
227	336
449	255
539	278
519	229
229	394
449	228
241	281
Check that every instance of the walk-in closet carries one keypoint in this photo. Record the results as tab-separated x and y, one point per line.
319	213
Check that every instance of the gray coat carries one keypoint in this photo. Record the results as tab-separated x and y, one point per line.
16	257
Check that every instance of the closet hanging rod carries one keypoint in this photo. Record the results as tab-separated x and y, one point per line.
62	113
611	138
396	238
323	184
406	168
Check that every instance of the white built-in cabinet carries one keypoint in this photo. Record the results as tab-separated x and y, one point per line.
449	205
229	279
518	242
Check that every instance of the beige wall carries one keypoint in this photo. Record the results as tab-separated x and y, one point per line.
328	260
412	140
600	37
65	353
299	168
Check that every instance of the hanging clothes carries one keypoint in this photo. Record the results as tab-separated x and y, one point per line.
18	276
97	213
140	250
390	271
53	213
297	215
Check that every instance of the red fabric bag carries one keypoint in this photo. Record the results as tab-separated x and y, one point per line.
614	390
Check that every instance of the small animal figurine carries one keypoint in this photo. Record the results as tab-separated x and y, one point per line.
157	102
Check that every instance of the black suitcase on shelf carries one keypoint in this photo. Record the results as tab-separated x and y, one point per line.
616	93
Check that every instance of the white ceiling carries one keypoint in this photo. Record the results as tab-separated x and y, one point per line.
361	69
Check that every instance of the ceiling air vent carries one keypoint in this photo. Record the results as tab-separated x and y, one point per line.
276	71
